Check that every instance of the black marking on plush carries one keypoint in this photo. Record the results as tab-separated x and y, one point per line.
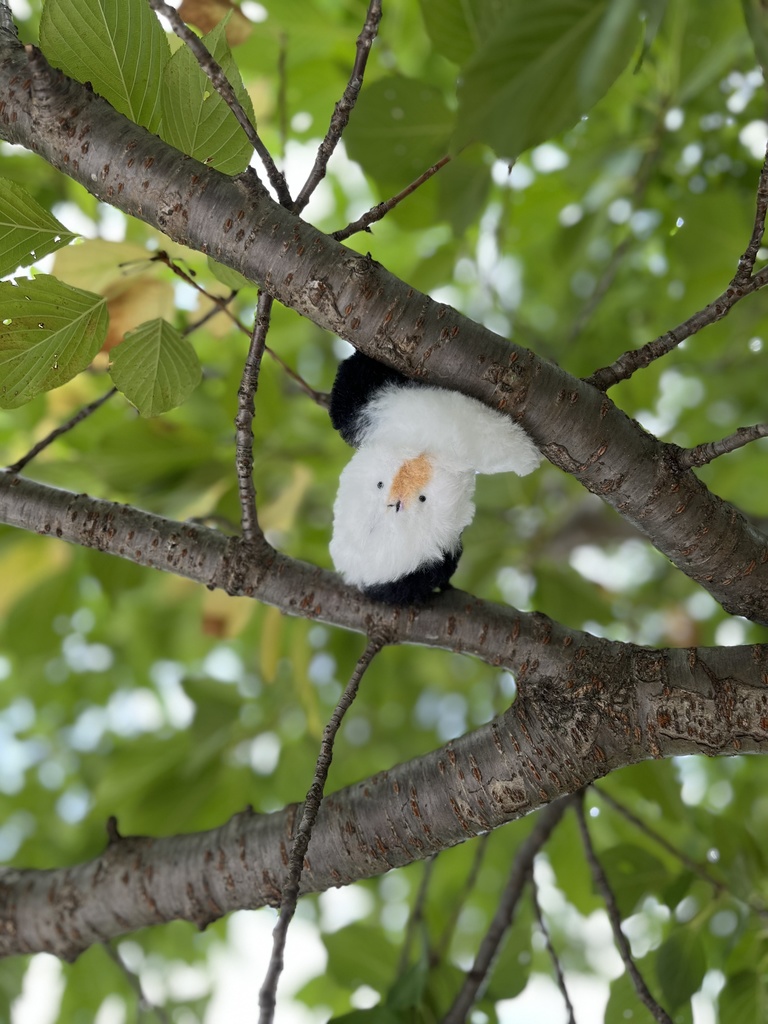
358	378
416	586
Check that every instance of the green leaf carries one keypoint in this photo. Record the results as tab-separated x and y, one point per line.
381	1014
196	119
118	46
27	231
155	368
401	126
231	278
544	66
744	997
458	28
632	873
681	964
756	18
49	333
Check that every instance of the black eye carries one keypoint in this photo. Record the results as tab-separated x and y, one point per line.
422	497
380	484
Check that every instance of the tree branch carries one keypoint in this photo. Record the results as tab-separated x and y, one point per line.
212	69
577	427
345	106
585	707
246	392
704	453
743	283
300	845
601	884
478	974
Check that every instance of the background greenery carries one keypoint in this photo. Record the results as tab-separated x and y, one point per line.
127	692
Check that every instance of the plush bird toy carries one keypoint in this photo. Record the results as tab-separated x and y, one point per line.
406	495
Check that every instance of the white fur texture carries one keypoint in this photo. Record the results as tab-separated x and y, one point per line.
457	430
374	541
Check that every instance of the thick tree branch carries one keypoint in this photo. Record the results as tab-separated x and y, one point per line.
577	427
585	707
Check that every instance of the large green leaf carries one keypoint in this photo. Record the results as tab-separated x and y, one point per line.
155	368
543	67
458	27
27	231
116	45
744	997
681	964
196	119
632	873
49	333
400	127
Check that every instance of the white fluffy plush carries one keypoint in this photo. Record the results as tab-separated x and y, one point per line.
406	495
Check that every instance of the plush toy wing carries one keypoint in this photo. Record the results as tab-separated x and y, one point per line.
459	430
406	495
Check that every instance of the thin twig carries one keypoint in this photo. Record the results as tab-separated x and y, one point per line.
747	261
601	883
290	894
551	950
443	943
282	92
704	453
134	982
249	383
546	820
222	303
84	413
417	915
719	887
213	71
381	209
743	283
345	106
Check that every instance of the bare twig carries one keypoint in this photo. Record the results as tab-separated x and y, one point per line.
221	84
416	917
222	303
290	894
443	943
134	982
381	209
704	453
719	887
601	883
84	413
249	382
551	950
480	971
345	106
282	92
743	283
747	262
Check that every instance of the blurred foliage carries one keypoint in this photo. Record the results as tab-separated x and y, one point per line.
127	692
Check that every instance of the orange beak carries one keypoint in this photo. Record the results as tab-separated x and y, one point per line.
409	481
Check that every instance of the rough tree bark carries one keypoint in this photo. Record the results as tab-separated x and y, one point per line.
586	706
